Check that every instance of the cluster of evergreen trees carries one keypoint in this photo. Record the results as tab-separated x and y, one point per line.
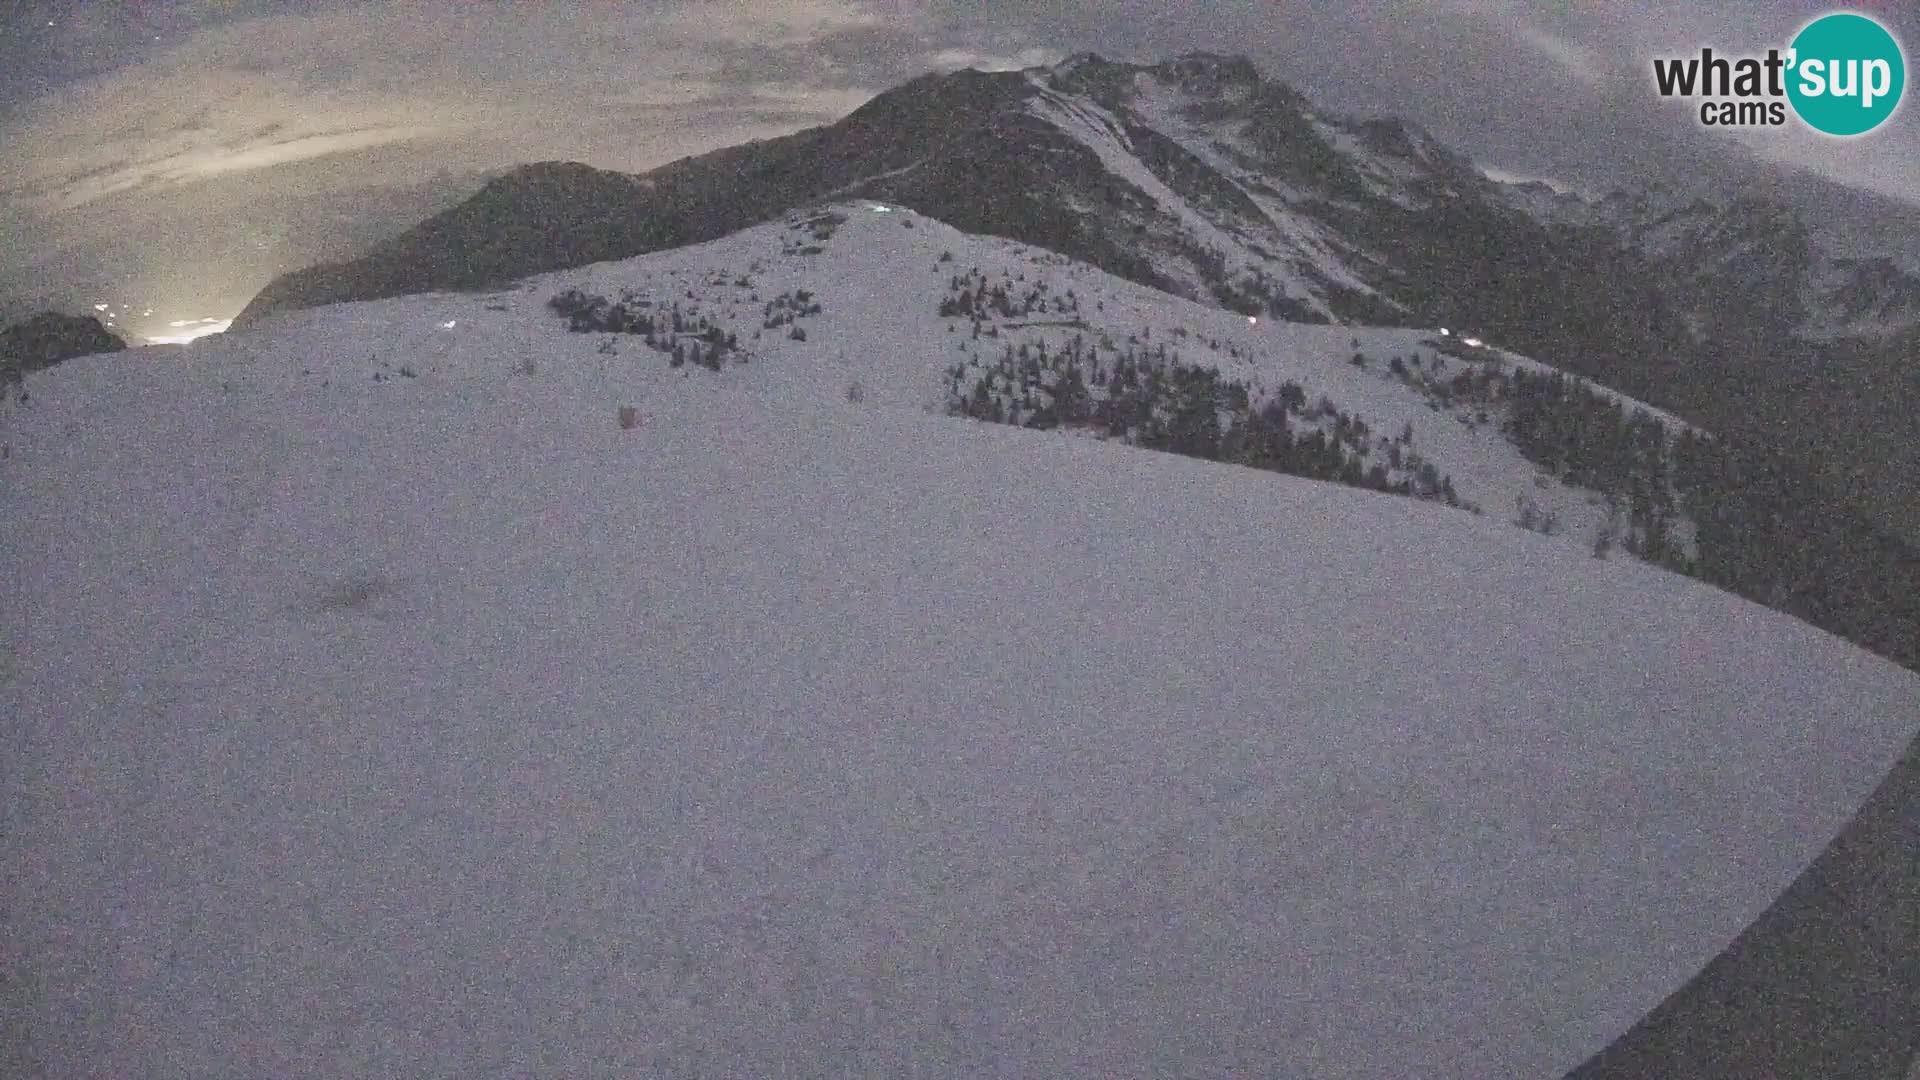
1149	398
782	310
818	229
1255	294
1764	527
823	224
1589	440
1769	531
683	338
971	295
1473	387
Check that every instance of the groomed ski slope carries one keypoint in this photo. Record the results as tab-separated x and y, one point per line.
439	727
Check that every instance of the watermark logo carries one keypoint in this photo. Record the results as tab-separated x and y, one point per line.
1851	74
1843	74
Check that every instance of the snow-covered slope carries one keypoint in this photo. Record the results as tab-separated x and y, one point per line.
872	278
433	724
1263	245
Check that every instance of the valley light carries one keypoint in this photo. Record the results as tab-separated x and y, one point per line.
200	328
1472	342
1444	332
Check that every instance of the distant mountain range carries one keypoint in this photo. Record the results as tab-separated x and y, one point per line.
1205	179
1196	176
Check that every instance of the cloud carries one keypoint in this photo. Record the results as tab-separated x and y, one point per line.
485	83
766	22
1578	62
197	167
955	59
61	169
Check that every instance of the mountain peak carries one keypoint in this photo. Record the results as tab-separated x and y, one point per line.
1211	67
1226	63
1195	69
1079	60
550	173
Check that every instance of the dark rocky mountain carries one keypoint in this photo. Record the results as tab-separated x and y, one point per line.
1197	176
45	340
554	215
1202	178
50	337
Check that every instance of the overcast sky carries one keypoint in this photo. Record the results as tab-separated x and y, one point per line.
177	154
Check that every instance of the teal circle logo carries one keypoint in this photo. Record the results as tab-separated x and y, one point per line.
1846	74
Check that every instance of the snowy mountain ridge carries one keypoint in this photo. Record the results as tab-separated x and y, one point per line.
1201	177
1447	417
875	293
376	692
1197	175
